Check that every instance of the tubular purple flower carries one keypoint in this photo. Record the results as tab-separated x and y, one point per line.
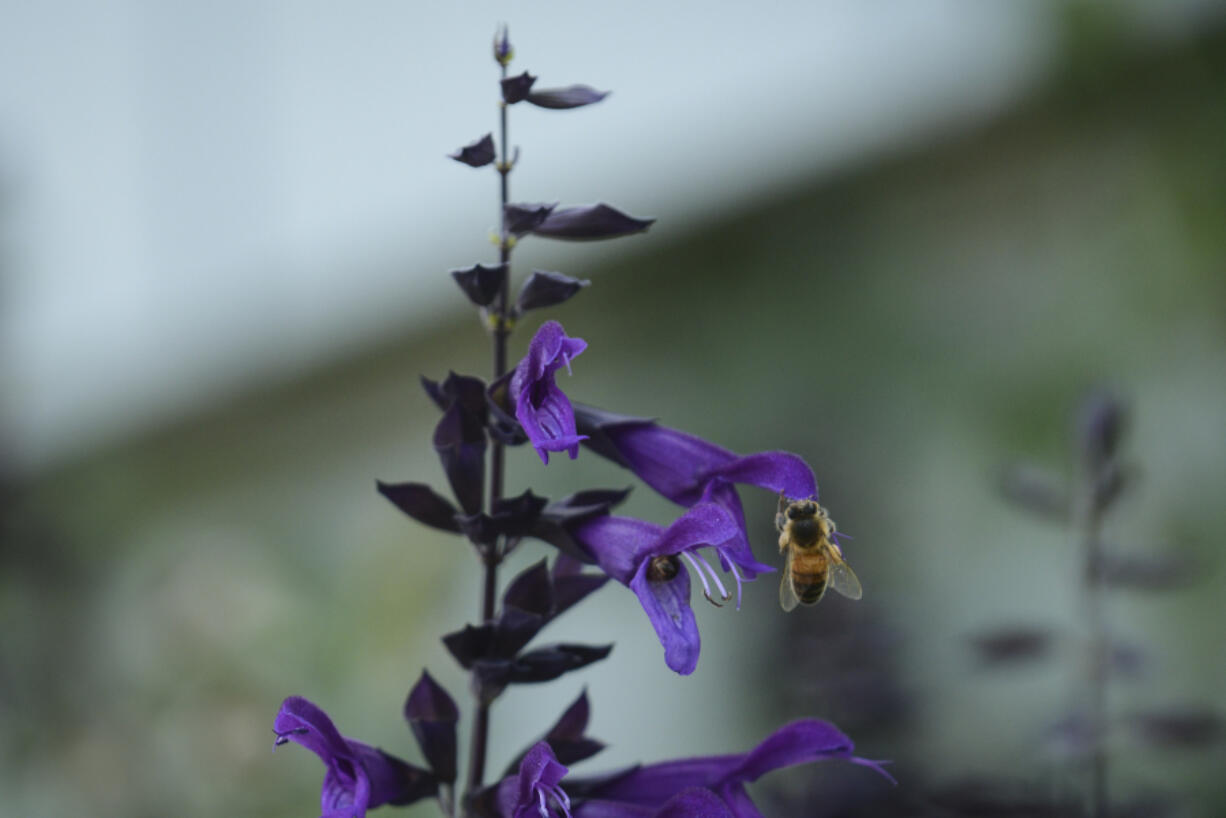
796	743
680	466
703	787
536	791
651	561
359	777
542	409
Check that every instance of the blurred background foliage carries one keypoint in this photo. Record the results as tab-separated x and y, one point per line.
909	323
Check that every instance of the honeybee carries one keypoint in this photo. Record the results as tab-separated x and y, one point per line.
814	560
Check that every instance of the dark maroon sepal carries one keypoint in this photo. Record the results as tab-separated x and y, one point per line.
590	222
422	503
545	289
515	89
432	715
476	154
480	283
572	96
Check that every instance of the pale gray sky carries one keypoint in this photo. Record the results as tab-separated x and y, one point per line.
199	196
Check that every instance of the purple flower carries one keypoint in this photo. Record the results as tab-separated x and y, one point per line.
542	409
535	791
651	561
703	787
359	777
680	466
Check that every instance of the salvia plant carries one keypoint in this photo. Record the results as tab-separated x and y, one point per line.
1101	479
707	543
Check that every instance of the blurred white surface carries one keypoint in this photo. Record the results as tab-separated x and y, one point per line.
197	198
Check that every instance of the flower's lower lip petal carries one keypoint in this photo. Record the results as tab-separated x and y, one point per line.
667	605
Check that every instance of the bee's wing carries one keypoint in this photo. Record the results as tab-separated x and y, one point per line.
787	596
843	579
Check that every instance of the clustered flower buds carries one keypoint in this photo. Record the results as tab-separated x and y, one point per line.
524	404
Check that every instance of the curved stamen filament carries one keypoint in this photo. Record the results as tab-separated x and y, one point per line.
699	563
735	574
702	577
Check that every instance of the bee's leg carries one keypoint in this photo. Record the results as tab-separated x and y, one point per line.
780	518
783	542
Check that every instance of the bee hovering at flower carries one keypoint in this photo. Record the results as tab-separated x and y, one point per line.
813	559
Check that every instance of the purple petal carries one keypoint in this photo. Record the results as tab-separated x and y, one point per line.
598	221
572	96
1101	421
679	465
794	743
736	548
358	776
476	154
622	545
695	803
668	460
779	472
390	780
538	779
302	722
543	410
617	543
653	784
667	604
594	808
704	524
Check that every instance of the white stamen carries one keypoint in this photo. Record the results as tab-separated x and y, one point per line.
736	574
723	592
706	589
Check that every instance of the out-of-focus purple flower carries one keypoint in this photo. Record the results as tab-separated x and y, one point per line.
651	561
703	787
542	409
680	466
1101	421
358	777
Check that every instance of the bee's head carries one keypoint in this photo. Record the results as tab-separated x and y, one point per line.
798	511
